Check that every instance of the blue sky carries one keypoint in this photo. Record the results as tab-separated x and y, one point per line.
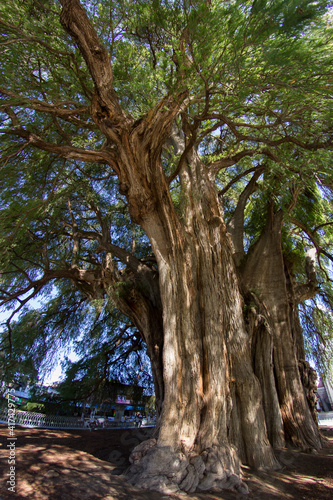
55	374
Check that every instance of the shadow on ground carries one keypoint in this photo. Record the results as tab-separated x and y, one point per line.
85	465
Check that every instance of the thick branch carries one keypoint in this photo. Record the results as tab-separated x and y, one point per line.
271	142
76	22
67	152
156	126
182	160
236	179
321	226
305	291
132	262
312	237
60	109
36	285
236	224
216	166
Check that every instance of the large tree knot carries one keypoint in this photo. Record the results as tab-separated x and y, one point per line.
222	470
160	468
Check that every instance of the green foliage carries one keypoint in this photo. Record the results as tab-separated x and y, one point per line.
317	323
34	407
105	372
259	81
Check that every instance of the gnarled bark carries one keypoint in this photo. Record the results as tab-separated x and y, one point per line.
264	273
206	351
261	332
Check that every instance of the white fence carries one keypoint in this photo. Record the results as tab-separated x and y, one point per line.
325	418
31	419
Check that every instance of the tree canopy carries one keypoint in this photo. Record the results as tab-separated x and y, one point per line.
259	84
135	135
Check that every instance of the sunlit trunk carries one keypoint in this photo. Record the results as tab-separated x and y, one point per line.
206	354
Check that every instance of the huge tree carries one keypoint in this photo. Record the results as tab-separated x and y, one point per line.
206	127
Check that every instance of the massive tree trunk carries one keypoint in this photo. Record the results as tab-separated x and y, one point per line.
206	356
264	275
212	397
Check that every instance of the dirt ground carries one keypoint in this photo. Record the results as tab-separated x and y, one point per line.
86	465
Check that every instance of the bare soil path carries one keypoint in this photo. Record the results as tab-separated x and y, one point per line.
85	465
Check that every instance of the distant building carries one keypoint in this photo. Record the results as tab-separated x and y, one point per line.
125	403
325	394
20	392
23	392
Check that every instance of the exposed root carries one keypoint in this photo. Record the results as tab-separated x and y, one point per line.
162	469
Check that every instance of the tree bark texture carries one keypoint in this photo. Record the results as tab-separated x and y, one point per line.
264	274
206	358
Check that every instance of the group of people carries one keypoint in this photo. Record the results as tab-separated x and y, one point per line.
93	422
137	420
